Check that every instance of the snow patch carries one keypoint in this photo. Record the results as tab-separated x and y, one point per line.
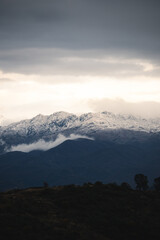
2	142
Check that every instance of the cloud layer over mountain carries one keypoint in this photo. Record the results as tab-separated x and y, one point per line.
43	145
57	55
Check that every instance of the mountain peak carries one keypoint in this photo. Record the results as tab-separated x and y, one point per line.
39	116
49	126
61	114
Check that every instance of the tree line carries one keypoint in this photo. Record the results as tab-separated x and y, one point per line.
142	182
140	179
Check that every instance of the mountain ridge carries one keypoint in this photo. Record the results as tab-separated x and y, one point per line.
59	121
102	125
96	118
123	146
79	161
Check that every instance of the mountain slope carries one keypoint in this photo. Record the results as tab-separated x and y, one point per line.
123	146
104	125
80	161
90	121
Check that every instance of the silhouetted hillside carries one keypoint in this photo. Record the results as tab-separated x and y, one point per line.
88	212
79	161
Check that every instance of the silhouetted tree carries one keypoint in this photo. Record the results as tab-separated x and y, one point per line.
141	182
45	184
98	183
157	183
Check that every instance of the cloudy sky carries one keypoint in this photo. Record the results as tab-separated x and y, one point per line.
79	56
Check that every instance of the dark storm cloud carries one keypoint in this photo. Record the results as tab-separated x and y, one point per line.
60	22
130	28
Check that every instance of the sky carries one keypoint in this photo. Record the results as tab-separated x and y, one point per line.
79	56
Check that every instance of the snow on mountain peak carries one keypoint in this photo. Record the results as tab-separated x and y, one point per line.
85	123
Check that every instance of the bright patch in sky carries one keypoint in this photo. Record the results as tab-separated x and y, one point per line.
24	96
65	55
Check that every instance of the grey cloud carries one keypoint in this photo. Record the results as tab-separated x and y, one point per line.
144	109
128	28
70	62
80	24
155	73
31	10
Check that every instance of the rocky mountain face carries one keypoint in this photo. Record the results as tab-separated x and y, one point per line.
123	146
103	126
79	161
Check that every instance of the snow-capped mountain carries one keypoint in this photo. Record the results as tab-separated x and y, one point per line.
103	124
60	121
117	147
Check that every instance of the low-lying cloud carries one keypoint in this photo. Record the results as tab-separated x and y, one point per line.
43	145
